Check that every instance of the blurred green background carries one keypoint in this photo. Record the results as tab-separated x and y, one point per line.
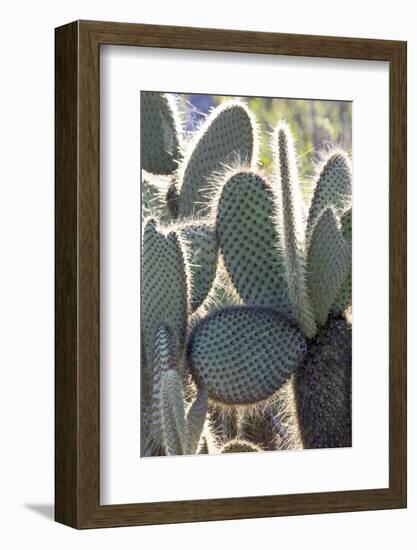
316	124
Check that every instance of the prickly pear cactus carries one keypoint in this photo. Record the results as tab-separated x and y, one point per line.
195	419
242	354
290	217
248	238
333	188
164	290
200	241
160	133
227	137
328	264
246	340
240	446
344	297
323	388
165	358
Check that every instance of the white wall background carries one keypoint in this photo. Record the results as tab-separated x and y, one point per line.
26	272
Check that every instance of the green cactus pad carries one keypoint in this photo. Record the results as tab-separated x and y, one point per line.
164	290
154	190
201	243
173	423
195	419
240	446
291	226
165	358
160	131
248	240
228	135
333	189
243	354
323	388
344	296
328	264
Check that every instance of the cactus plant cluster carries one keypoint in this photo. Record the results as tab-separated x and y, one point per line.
245	336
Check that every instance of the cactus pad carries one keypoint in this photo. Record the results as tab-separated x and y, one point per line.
258	426
173	424
344	296
240	446
202	260
195	419
248	240
323	388
290	217
228	135
164	289
328	264
160	131
333	188
165	358
243	354
171	198
154	191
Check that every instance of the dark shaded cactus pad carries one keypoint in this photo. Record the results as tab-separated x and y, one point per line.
154	191
169	429
260	427
248	240
160	133
328	264
201	243
164	290
323	388
228	135
243	354
171	198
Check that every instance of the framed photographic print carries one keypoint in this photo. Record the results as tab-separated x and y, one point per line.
230	274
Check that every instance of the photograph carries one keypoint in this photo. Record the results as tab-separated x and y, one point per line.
246	273
197	350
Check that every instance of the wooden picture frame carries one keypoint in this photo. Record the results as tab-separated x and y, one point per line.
77	373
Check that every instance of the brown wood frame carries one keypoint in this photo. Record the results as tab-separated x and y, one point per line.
77	274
